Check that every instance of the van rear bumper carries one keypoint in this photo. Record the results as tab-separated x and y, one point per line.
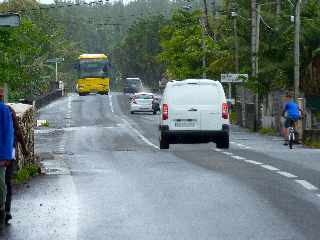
199	136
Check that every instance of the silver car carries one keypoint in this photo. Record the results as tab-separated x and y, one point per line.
142	102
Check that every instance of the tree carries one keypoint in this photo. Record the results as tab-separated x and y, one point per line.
136	55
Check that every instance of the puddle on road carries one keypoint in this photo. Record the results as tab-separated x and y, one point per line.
70	129
78	100
53	164
123	150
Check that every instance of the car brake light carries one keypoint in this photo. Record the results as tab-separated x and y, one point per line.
165	112
225	112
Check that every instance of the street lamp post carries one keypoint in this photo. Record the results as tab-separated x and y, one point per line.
56	61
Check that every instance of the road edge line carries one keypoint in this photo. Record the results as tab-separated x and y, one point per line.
143	138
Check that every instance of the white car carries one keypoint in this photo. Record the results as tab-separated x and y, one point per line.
194	111
142	102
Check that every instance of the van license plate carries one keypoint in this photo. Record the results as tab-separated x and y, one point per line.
185	124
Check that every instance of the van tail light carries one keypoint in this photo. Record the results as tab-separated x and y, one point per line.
165	112
225	112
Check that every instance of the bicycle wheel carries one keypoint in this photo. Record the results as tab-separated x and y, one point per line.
290	141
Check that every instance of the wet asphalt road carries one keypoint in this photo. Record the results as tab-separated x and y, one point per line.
107	179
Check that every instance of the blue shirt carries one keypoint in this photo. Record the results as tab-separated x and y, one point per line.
292	110
6	132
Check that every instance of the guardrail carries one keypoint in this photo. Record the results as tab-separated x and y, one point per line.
48	98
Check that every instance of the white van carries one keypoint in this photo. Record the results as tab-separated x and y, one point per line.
194	111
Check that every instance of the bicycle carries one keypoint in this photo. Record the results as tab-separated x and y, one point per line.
291	133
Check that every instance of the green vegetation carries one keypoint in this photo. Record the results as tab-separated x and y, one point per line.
311	144
268	131
182	53
27	172
45	124
140	60
26	49
233	117
154	39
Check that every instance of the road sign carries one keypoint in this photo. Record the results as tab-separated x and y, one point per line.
233	78
9	20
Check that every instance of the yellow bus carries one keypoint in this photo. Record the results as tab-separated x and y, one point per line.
94	74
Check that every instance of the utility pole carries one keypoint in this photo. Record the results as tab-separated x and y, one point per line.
236	42
254	55
258	39
204	75
297	25
278	8
56	71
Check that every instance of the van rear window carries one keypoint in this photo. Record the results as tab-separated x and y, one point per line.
194	95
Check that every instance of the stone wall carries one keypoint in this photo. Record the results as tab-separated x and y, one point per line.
25	114
311	136
250	115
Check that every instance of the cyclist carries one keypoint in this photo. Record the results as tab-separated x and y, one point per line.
293	115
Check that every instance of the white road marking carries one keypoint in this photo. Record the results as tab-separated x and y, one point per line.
69	113
227	153
238	157
69	103
217	149
269	167
253	162
143	138
286	174
110	103
307	185
240	145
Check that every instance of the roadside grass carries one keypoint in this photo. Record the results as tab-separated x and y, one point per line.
311	144
46	124
268	131
233	117
26	173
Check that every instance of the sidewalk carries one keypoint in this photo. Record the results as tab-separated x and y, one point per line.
44	209
273	147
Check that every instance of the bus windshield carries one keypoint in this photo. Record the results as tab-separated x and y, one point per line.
93	68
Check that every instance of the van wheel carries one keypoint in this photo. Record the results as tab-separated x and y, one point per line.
132	112
164	142
223	142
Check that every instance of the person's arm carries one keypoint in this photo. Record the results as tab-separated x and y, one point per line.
284	110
